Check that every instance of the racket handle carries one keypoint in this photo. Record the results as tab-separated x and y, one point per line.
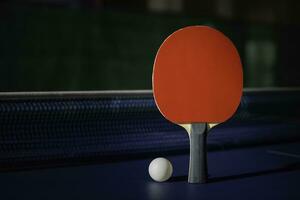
198	157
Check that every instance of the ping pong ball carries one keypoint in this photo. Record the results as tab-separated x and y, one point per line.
160	169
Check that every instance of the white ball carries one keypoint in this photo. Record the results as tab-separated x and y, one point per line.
160	169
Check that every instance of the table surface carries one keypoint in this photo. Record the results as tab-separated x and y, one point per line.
261	172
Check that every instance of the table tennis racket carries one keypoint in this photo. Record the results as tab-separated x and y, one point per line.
197	81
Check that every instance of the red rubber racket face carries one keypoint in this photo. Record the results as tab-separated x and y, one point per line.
197	76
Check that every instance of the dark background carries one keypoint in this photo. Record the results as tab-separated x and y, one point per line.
111	44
